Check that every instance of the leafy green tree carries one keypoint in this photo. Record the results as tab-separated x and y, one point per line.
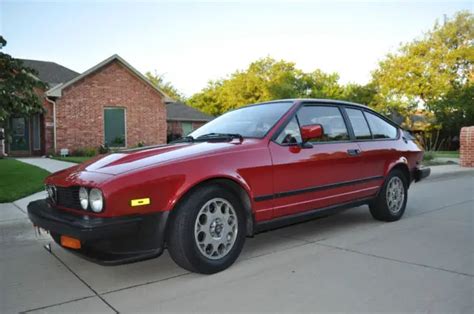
265	79
361	94
434	72
19	88
168	88
323	85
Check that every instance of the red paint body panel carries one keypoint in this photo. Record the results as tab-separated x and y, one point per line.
260	166
298	168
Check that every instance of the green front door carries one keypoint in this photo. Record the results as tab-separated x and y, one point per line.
20	135
114	127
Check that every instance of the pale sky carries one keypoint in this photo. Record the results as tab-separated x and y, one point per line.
194	42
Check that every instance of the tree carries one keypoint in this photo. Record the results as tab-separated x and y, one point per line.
19	88
266	79
323	85
434	72
159	81
361	94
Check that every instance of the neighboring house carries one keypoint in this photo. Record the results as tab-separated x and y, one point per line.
111	103
183	119
30	136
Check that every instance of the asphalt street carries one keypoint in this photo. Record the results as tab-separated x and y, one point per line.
346	263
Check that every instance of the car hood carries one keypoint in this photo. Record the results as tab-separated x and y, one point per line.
117	163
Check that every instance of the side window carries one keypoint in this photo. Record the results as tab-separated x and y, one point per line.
290	134
380	128
330	118
359	125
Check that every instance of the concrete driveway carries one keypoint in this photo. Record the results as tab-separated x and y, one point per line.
345	263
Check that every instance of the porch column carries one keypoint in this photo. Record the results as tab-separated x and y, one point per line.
2	143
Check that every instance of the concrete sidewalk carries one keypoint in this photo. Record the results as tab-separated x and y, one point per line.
448	160
449	170
51	165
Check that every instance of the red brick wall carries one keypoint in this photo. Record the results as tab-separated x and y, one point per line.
80	110
467	146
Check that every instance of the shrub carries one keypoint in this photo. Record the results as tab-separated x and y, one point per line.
119	141
80	152
104	149
90	151
428	156
84	152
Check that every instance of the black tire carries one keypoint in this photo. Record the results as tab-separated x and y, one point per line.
182	243
380	208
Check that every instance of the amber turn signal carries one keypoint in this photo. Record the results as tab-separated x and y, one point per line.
70	242
140	202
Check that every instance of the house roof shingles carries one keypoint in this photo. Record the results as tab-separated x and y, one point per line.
177	111
50	72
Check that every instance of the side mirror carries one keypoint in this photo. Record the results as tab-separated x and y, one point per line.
312	131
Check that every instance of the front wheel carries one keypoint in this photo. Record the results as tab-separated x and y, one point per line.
392	199
207	232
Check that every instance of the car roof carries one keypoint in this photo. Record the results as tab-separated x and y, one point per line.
316	100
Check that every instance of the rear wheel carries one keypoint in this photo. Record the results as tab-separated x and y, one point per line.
392	199
207	232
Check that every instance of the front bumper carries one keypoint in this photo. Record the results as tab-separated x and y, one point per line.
421	173
107	241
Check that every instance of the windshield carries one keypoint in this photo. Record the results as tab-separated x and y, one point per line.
253	121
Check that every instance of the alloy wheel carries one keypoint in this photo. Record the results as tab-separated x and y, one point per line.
395	195
215	229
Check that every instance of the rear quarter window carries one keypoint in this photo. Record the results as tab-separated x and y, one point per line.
380	128
359	124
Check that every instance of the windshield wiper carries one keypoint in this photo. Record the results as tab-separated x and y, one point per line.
219	136
186	139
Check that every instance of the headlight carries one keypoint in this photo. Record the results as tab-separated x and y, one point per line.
96	200
51	189
84	198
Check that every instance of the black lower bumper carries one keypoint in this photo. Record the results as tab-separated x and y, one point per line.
421	173
107	241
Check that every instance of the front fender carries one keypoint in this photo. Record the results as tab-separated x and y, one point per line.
189	186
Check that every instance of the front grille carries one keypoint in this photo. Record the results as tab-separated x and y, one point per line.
68	197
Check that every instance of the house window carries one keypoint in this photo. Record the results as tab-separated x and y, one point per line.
186	128
36	126
114	127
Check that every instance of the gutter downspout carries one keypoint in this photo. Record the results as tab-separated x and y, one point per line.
54	121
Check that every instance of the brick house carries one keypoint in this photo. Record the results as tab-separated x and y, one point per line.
183	119
111	103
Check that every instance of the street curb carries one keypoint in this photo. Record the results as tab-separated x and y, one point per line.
450	174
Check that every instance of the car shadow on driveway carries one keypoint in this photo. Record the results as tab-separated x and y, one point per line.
105	279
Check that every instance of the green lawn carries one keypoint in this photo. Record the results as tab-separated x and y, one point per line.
446	154
18	179
77	160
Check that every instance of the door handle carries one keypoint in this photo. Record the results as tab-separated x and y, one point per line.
353	152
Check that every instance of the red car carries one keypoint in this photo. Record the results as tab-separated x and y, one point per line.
251	169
